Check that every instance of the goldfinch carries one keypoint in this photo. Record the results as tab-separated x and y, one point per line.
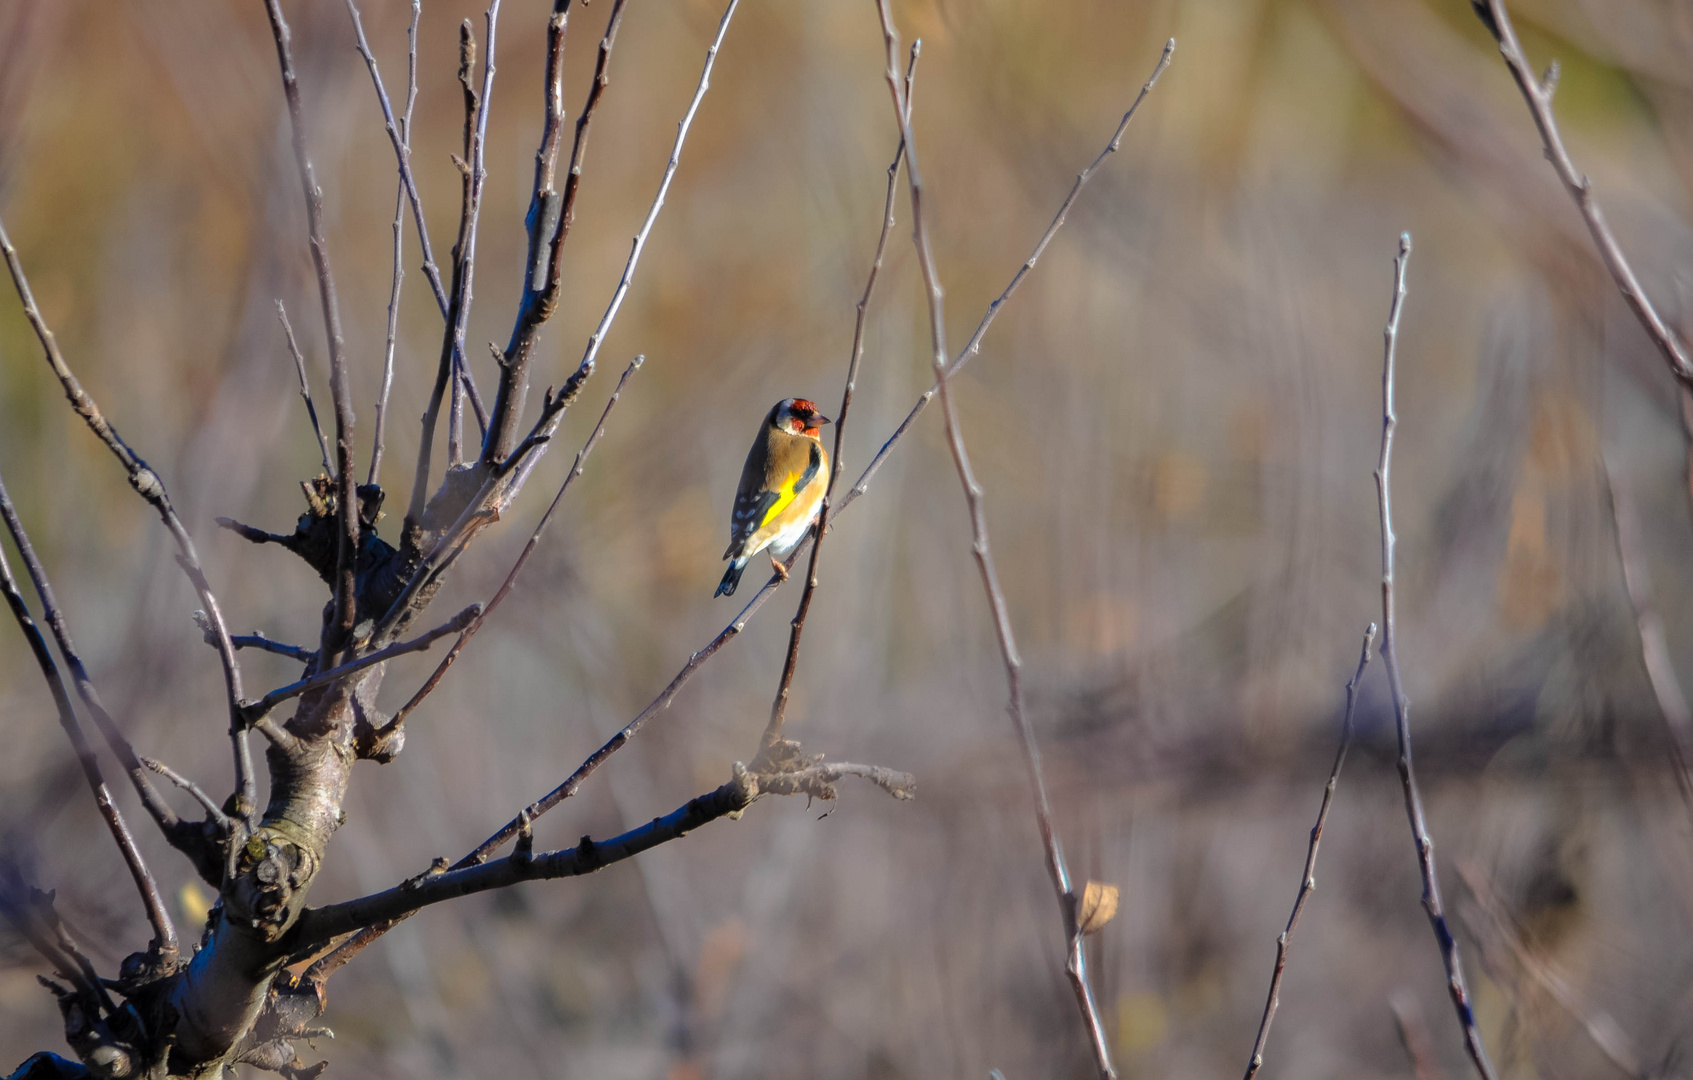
782	485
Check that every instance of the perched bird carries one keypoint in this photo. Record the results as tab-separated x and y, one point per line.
782	485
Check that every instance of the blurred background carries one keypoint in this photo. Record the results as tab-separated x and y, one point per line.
1176	422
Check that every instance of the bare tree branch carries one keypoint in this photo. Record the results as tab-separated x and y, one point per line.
779	707
318	925
164	933
305	388
1538	95
441	882
148	485
551	213
261	708
338	629
1455	985
511	577
1308	879
1076	967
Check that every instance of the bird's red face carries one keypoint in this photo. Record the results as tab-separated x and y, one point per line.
797	416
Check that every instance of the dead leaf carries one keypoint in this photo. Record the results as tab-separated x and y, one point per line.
1099	904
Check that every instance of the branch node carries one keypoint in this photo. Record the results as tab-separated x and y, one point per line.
436	868
525	851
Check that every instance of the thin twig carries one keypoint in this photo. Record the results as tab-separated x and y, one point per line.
1308	879
259	709
31	911
207	803
381	422
551	213
1414	1035
148	485
305	388
1538	95
522	558
466	254
1654	651
264	644
1455	985
400	135
1076	967
338	629
447	369
779	707
1605	1032
164	933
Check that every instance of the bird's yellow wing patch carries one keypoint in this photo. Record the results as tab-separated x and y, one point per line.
785	496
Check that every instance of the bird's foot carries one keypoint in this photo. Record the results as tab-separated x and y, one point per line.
776	565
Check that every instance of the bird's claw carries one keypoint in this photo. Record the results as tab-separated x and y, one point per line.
776	565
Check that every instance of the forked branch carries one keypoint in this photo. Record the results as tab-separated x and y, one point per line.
262	708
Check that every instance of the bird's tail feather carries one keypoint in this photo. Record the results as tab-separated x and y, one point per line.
731	578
